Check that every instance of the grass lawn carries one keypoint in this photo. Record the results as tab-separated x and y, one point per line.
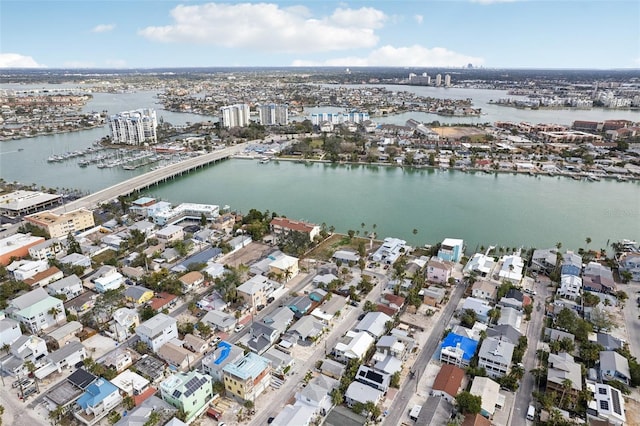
104	256
325	250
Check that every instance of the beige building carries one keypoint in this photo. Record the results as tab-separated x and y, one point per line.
60	225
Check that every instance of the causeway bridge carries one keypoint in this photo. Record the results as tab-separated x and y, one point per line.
151	178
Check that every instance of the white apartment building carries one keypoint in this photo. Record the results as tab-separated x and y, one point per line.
134	127
235	115
273	114
157	331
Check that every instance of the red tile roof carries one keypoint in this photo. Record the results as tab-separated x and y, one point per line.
293	225
139	399
475	420
449	379
161	300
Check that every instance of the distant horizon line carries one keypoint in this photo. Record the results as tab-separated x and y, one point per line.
479	68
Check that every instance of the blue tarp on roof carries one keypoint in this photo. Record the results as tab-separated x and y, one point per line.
225	348
469	346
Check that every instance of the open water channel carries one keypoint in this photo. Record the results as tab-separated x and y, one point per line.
502	209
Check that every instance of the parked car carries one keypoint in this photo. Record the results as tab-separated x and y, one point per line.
260	307
271	299
215	341
239	328
28	392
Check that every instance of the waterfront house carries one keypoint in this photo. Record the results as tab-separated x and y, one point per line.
68	287
248	377
480	264
511	268
451	250
448	382
630	262
37	310
190	392
571	264
614	366
281	226
157	330
214	362
495	357
489	392
561	367
99	399
389	251
599	278
439	271
544	260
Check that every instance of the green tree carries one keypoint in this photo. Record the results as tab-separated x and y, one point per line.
73	246
395	380
468	403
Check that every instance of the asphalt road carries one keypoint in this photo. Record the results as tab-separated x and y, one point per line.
399	406
523	395
631	312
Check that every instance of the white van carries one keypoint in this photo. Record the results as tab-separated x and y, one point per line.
415	412
531	413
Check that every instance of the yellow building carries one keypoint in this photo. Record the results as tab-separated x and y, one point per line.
138	294
247	377
60	225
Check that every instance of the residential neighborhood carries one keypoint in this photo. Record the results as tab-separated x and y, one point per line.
219	317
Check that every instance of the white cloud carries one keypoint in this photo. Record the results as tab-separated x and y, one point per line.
411	56
418	18
15	60
268	27
103	28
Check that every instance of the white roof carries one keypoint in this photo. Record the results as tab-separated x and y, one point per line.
127	381
488	390
15	241
450	242
285	262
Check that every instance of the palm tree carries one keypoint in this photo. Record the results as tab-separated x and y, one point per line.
54	311
566	385
558	245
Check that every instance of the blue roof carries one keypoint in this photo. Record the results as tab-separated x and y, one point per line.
469	346
96	392
248	367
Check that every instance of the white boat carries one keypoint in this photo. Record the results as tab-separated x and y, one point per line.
593	178
264	160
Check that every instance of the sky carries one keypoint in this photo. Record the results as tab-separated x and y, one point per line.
576	34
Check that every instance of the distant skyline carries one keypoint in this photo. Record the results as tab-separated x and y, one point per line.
575	34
